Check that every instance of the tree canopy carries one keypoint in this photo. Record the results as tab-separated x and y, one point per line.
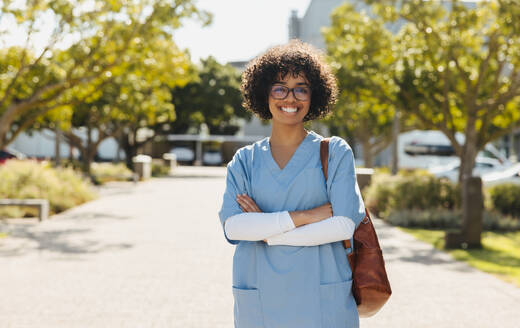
135	96
360	52
214	99
450	65
454	66
91	41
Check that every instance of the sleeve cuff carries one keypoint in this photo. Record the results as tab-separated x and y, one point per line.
285	221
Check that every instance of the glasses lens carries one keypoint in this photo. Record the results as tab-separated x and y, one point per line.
302	93
279	92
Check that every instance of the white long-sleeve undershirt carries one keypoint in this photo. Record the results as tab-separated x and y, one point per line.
278	229
255	226
333	229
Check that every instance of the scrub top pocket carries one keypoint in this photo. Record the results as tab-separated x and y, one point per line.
338	307
248	309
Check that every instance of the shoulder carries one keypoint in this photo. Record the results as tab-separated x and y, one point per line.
243	156
338	146
341	158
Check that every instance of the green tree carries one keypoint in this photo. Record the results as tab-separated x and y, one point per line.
456	68
214	99
94	37
360	52
136	96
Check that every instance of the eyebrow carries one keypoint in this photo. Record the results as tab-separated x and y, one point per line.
284	83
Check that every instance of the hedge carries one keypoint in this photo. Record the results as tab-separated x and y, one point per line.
449	219
505	198
418	199
64	188
410	190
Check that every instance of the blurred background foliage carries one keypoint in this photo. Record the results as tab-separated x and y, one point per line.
419	199
63	187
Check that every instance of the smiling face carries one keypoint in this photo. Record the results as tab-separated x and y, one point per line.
290	110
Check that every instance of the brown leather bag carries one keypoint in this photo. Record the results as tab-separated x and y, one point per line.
370	286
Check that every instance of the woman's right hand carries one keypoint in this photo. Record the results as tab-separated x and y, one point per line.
320	213
313	215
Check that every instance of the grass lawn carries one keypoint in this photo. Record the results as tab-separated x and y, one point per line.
500	254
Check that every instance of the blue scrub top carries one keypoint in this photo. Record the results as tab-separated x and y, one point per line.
288	286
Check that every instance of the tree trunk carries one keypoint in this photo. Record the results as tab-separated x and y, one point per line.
90	158
129	146
395	139
6	119
467	163
367	153
71	151
130	152
469	155
512	148
57	141
87	153
117	159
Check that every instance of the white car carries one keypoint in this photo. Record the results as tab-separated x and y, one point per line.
510	174
212	157
183	154
427	148
483	165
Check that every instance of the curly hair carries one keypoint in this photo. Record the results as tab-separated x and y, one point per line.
293	58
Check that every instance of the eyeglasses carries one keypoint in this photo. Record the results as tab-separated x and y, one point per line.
281	92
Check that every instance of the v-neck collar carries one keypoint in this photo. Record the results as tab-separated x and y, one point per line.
296	159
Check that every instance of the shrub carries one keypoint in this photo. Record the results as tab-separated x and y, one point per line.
160	170
64	188
105	172
505	198
410	190
428	219
379	193
449	219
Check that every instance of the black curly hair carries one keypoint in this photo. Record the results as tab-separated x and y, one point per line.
293	58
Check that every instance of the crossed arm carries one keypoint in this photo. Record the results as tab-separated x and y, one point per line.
311	227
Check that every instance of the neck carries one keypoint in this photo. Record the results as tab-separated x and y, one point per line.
287	135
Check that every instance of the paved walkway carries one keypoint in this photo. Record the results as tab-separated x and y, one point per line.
153	255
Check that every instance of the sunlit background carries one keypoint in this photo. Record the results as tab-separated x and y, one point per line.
116	114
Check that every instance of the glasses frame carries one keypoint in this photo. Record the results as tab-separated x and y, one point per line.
289	90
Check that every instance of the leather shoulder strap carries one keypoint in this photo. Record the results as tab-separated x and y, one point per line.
324	155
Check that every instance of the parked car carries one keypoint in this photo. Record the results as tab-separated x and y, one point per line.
6	154
212	157
510	174
183	154
483	165
417	148
428	148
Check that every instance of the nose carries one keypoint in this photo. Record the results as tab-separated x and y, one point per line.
290	96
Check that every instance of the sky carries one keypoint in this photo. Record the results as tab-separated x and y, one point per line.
241	29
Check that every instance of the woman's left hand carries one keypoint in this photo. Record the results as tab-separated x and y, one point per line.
247	204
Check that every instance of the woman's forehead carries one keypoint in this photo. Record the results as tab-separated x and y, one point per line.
292	76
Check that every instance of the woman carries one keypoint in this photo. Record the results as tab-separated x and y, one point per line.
290	268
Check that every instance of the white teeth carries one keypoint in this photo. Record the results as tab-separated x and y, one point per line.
289	109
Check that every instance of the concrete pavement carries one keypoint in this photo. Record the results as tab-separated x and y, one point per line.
153	255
